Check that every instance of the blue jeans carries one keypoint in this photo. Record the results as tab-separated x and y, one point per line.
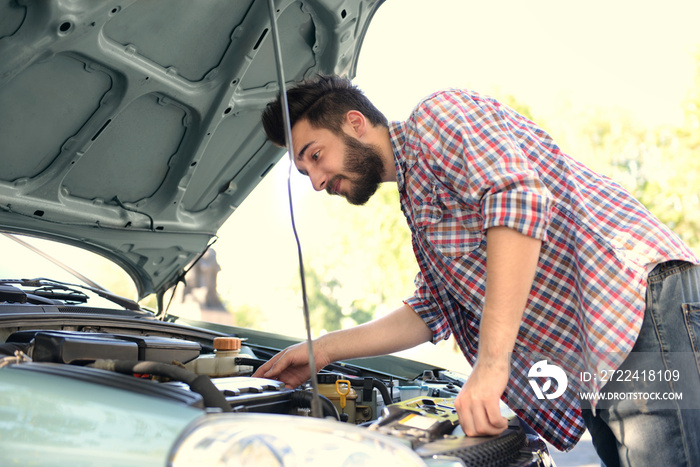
665	433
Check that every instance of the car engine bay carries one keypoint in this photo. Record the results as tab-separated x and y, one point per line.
130	351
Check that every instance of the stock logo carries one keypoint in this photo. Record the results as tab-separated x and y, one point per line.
541	370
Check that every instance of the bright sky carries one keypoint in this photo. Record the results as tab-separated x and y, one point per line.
630	54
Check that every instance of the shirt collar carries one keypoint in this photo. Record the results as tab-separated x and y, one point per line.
397	133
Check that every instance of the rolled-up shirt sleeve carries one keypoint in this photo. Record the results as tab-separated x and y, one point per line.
525	211
483	160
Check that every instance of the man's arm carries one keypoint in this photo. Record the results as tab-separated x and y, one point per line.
511	261
399	330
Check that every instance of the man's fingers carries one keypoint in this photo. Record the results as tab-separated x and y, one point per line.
262	369
496	420
278	364
467	422
478	420
477	423
492	424
272	367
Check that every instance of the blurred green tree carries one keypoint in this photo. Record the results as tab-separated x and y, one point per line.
659	165
361	264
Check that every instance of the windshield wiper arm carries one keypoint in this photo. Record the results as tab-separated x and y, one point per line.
43	282
60	293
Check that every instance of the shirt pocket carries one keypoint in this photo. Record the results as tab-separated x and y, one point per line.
449	227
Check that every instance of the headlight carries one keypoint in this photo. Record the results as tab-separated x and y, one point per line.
283	440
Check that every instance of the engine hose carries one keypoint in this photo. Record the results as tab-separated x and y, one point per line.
302	399
9	349
201	384
383	390
377	384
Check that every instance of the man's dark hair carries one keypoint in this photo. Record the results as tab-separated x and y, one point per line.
323	101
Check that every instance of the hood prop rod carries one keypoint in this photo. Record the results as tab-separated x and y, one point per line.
316	410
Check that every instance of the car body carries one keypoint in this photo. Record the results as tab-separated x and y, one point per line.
131	129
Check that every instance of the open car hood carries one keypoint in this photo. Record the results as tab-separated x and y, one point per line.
132	128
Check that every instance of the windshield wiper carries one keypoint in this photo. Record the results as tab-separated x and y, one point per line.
60	293
49	288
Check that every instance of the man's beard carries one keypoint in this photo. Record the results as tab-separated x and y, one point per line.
364	162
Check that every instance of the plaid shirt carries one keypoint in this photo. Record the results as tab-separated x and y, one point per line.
466	163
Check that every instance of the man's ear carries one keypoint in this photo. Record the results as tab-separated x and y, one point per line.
355	123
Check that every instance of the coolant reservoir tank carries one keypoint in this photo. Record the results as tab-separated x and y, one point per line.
222	362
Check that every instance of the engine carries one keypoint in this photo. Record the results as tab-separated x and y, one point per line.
218	378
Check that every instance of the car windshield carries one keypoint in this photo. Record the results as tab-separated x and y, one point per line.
59	266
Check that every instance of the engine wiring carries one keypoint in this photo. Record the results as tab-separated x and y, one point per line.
316	408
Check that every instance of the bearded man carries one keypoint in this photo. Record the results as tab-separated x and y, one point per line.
523	251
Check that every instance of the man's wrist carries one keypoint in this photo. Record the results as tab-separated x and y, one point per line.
493	360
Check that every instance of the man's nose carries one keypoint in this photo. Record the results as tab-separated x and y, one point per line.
318	180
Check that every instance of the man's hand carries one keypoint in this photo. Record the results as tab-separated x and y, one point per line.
399	330
291	366
478	402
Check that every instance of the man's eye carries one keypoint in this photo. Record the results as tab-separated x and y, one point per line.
315	157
